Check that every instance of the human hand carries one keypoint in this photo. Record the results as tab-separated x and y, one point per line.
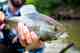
25	36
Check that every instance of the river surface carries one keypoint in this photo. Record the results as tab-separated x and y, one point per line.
73	27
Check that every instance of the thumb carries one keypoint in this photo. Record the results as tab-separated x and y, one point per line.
15	39
34	36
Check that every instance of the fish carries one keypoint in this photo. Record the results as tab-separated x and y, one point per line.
44	29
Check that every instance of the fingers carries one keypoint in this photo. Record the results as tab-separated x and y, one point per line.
32	39
20	31
2	16
24	33
34	36
14	40
26	37
2	26
23	43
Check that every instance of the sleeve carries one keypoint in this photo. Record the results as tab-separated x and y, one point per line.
1	37
28	9
6	36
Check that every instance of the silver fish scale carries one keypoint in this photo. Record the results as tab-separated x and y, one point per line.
41	27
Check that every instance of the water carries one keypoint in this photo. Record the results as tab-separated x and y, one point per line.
73	27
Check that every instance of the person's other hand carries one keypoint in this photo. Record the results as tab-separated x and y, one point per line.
2	16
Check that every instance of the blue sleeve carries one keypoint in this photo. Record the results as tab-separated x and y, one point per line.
6	36
3	40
